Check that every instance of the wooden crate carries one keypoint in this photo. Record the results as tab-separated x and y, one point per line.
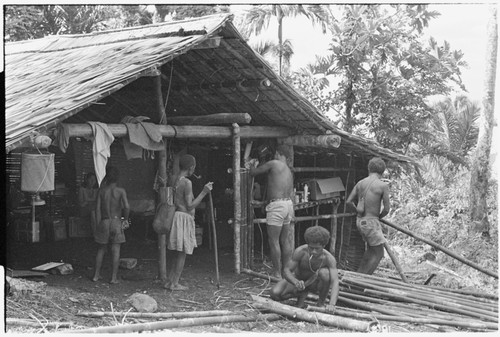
79	227
59	229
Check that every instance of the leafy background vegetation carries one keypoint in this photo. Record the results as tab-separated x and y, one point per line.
387	78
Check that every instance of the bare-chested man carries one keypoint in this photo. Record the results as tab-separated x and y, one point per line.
111	210
182	239
372	191
279	210
311	269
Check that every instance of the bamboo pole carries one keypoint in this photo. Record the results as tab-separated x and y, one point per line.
395	261
322	141
180	323
162	173
441	248
408	296
304	315
214	119
214	230
37	324
192	131
406	319
180	314
313	217
236	196
458	309
333	226
321	169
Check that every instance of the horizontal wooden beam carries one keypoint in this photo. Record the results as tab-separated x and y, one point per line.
313	217
192	131
257	83
214	119
323	141
321	169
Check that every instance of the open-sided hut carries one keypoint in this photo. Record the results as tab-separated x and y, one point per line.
209	94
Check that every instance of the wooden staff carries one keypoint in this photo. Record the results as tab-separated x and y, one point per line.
441	248
180	314
214	231
396	262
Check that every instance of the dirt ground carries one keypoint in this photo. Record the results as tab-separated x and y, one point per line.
65	295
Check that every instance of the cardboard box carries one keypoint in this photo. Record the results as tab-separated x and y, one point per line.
79	228
325	188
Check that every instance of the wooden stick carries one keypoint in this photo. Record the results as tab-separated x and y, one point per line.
34	324
443	249
214	231
395	261
180	323
313	217
460	324
304	315
180	314
319	169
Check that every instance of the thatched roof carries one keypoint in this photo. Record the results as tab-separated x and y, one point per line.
51	79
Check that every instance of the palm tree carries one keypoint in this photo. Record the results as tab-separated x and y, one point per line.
270	48
453	131
258	17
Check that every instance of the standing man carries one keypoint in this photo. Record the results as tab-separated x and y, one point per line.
279	209
370	193
182	238
112	209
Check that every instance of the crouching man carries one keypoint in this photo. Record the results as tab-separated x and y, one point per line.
311	269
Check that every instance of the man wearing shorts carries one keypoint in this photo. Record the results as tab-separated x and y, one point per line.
280	207
112	208
372	191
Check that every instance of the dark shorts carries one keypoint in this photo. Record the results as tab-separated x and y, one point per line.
109	230
371	231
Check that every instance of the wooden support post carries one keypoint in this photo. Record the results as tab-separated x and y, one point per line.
236	195
162	174
250	225
333	226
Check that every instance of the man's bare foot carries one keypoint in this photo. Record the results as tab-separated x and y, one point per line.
114	282
276	274
96	278
178	287
167	285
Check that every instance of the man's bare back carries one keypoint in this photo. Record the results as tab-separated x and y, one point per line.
112	200
377	192
279	179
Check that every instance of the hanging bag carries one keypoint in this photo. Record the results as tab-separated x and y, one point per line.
164	216
360	207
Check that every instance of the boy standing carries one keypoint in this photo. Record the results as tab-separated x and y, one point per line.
111	201
182	238
311	269
372	192
279	210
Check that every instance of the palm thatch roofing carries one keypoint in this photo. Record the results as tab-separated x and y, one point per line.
207	67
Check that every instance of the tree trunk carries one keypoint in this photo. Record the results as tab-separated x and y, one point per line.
481	163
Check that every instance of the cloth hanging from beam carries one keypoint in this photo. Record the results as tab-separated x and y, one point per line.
141	136
101	148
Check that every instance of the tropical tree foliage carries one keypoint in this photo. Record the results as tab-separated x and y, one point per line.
385	71
258	18
181	12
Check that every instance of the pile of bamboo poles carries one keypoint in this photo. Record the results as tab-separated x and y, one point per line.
370	297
